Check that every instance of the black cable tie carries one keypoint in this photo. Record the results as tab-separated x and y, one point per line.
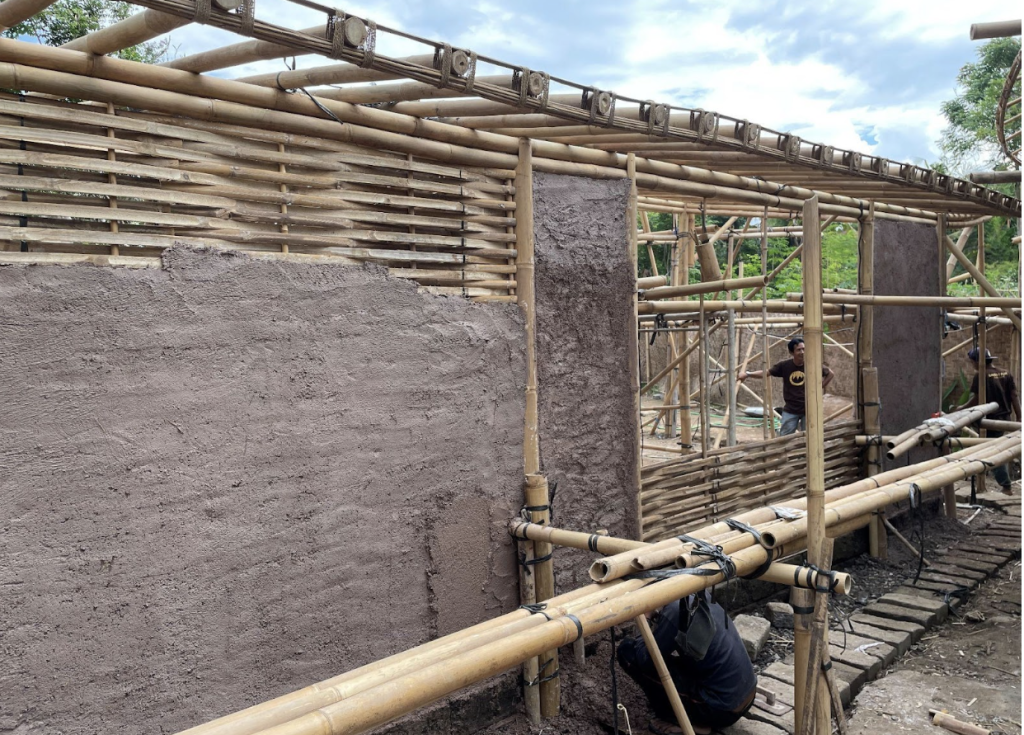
536	608
592	542
741	526
530	562
826	665
537	508
579	625
801	610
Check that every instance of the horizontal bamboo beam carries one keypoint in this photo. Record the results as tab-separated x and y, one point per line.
133	30
774	306
331	74
703	287
946	301
998	29
995	177
979	277
244	52
13	12
957	442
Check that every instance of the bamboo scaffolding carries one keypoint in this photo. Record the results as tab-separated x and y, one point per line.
934	430
979	276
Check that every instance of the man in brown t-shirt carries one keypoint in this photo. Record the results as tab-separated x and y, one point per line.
1000	388
792	373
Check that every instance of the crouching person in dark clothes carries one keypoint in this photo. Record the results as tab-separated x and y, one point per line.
716	689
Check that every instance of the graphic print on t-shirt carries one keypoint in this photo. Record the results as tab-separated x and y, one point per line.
796	377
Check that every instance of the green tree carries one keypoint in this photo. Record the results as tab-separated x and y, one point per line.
67	20
971	132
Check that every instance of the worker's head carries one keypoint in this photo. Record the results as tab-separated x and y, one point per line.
974	353
796	349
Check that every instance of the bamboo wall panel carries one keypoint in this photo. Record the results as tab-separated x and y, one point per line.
96	180
690	491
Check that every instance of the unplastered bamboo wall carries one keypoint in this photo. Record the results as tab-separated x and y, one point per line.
95	180
685	493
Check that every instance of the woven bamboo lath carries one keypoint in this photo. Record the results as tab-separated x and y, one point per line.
87	179
689	491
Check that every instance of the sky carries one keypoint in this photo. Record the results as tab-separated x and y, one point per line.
866	75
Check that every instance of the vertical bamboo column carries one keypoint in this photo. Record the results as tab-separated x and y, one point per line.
634	352
531	444
704	382
537	503
112	180
283	188
814	720
982	347
768	415
867	373
731	381
685	416
949	491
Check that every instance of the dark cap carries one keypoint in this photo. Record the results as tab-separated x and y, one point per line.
973	356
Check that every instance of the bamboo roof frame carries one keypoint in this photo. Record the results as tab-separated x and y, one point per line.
585	125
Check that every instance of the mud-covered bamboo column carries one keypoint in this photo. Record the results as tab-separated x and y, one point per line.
869	410
812	718
633	346
531	445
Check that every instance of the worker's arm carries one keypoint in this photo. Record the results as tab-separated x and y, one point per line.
972	401
827	377
744	374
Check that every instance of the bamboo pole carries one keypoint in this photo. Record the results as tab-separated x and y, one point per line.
817	549
867	386
767	404
344	73
979	276
970	341
133	30
244	52
957	442
899	537
664	675
685	379
994	425
1009	303
633	355
731	389
702	287
526	298
710	270
982	396
13	12
704	397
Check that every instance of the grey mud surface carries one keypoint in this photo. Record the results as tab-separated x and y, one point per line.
231	478
907	339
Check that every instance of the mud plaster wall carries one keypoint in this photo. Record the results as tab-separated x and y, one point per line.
907	339
585	284
232	478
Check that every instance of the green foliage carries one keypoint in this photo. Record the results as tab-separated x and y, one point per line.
972	113
67	20
956	394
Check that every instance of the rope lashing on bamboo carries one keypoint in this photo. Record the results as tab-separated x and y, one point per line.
541	679
247	11
202	12
711	552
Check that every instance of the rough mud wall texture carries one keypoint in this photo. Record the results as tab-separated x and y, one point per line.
232	478
907	339
585	284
